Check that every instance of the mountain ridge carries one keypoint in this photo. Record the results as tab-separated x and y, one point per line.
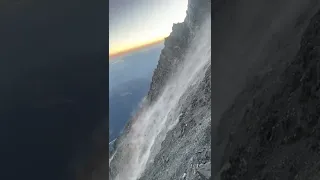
171	57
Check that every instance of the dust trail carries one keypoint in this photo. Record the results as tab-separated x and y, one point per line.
143	141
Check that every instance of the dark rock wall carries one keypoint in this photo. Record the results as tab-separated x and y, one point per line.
271	130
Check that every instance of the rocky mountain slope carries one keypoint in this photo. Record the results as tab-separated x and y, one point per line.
265	83
185	152
269	129
177	44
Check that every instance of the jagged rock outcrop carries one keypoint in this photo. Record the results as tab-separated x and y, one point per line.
176	45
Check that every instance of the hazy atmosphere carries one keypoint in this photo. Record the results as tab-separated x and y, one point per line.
134	23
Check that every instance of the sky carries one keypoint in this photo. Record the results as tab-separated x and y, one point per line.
137	23
135	65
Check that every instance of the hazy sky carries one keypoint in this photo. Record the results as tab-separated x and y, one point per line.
136	22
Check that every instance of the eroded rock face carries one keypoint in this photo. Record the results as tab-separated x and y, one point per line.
272	128
186	151
176	45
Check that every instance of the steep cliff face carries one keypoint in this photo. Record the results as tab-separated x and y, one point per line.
177	44
172	55
185	147
270	130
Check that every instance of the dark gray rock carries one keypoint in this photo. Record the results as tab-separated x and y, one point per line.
205	170
272	127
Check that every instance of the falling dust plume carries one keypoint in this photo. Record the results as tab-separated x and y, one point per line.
142	142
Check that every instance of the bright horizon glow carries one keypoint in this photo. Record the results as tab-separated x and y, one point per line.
145	25
134	48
